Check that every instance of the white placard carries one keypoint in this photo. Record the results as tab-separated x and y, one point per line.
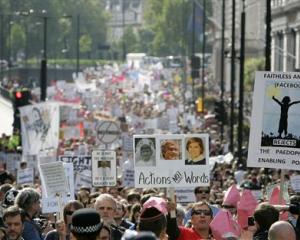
50	204
12	161
40	127
104	168
275	123
83	180
127	142
53	178
295	182
25	176
80	162
185	195
175	160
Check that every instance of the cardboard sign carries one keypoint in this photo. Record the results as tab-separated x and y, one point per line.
171	160
80	162
295	183
50	203
83	179
104	168
275	123
25	176
107	132
185	195
53	178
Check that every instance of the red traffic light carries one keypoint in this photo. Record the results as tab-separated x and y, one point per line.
18	94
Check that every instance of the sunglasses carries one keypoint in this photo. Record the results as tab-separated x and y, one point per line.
200	212
228	207
206	192
69	213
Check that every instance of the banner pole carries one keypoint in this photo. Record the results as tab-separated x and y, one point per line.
173	199
282	174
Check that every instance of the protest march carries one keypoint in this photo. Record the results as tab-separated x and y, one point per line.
119	146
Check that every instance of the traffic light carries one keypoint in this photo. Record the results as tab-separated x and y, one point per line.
220	113
195	64
20	98
199	105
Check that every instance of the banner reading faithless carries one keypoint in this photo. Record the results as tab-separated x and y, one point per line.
275	123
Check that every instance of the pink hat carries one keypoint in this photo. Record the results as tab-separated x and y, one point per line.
223	226
156	202
275	200
232	196
246	208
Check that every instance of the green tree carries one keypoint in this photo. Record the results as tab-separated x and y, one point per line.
17	38
85	44
251	66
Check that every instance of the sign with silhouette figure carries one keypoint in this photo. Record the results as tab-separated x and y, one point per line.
275	121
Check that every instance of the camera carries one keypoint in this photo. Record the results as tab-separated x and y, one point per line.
251	221
293	208
41	222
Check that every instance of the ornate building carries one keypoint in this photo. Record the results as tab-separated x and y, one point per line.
285	35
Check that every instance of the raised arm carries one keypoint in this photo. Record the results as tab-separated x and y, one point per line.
276	100
292	103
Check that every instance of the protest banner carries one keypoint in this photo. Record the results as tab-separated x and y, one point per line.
40	127
25	176
174	160
295	182
80	162
185	195
107	132
127	142
50	202
12	161
83	180
53	178
275	126
104	168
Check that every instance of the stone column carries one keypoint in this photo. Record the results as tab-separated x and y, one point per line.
297	48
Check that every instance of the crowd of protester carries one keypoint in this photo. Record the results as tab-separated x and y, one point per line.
122	212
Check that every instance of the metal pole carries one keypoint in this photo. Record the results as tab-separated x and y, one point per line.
203	54
123	27
193	48
43	83
232	83
241	92
222	64
77	46
268	36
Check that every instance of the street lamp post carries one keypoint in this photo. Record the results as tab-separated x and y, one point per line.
241	90
77	45
43	79
232	82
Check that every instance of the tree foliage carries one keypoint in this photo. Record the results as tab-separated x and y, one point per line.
28	30
251	66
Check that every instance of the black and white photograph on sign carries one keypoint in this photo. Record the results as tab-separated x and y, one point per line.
145	152
104	167
195	151
281	125
170	149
